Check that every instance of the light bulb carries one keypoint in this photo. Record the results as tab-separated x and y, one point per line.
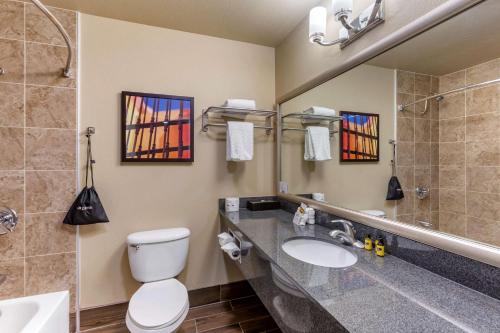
317	22
342	8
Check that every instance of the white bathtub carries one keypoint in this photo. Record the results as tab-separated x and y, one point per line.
47	313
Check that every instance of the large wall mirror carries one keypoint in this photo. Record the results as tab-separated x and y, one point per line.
433	102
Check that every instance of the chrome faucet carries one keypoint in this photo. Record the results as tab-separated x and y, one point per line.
347	235
8	220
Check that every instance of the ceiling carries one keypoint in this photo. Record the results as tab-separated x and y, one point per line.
265	22
467	39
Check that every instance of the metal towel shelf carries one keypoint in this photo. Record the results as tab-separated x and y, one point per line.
310	118
227	111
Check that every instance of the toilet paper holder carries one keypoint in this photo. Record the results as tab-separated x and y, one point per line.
243	246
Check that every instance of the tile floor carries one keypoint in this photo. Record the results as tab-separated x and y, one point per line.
240	315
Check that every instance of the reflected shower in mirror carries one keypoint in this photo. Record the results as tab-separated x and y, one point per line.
416	136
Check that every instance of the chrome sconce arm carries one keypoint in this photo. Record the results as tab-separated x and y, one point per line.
344	20
375	11
320	40
351	30
67	70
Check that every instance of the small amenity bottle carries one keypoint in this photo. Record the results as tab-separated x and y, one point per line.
380	247
368	242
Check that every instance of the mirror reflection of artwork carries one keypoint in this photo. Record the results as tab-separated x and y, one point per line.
359	137
157	128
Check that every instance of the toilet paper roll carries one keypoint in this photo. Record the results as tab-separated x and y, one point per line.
225	238
232	250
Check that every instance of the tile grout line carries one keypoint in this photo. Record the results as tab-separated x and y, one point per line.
49	254
36	85
465	159
34	41
414	203
237	323
42	128
93	329
16	83
24	150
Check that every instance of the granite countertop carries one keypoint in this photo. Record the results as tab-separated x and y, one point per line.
375	294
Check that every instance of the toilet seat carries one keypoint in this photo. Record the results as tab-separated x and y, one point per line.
159	306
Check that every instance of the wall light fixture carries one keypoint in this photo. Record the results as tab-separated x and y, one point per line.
352	29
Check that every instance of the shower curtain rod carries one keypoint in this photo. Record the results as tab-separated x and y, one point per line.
67	70
402	107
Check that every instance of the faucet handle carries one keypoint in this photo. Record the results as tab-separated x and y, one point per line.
8	220
344	222
348	226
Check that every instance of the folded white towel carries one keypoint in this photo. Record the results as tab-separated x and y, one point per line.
317	144
239	141
320	111
240	103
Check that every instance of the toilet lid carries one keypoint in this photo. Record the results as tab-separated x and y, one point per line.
158	303
378	213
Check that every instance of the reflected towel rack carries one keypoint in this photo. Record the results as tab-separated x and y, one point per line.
307	117
440	96
232	112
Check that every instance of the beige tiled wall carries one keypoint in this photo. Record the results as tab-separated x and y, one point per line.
470	155
37	151
417	146
464	153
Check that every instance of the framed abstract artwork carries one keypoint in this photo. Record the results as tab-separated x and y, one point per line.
359	137
157	128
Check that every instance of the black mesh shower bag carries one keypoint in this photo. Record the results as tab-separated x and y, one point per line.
87	208
394	190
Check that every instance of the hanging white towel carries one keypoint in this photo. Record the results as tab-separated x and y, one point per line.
317	144
320	111
240	103
239	141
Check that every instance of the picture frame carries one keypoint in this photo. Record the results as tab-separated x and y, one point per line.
359	137
156	127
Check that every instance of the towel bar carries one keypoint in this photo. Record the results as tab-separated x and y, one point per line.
310	117
227	111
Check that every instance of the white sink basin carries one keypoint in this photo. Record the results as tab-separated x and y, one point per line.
319	253
47	313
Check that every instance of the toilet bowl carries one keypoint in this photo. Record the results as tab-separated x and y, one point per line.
161	304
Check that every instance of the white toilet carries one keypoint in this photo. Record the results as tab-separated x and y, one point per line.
156	257
374	212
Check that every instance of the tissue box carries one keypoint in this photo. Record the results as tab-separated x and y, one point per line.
263	205
232	204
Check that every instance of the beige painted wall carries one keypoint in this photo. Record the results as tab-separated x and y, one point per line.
118	55
298	61
352	185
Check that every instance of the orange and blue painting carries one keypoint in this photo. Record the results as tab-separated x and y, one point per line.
359	137
157	128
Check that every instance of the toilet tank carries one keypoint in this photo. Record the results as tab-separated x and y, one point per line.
157	254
